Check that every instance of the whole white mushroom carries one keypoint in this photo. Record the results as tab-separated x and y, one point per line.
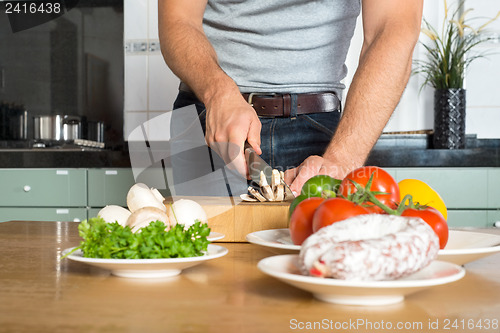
112	213
186	212
140	196
144	216
157	194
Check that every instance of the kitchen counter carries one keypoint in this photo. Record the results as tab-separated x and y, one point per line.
42	293
63	158
383	157
413	157
390	151
416	151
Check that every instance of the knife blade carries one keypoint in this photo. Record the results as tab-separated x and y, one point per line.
256	165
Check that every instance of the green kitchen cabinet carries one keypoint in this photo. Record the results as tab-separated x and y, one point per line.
92	212
493	217
493	189
460	188
473	218
458	218
109	186
43	187
42	214
43	194
61	194
472	195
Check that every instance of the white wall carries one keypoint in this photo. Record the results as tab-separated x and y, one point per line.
415	110
150	87
483	77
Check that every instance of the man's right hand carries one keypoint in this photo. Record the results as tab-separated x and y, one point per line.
231	122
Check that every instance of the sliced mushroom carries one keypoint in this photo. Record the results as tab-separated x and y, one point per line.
279	192
256	194
144	216
266	189
263	180
273	192
268	193
275	179
140	196
114	213
248	197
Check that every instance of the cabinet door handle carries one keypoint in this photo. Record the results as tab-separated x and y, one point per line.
27	188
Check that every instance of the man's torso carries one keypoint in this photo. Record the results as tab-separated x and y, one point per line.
293	46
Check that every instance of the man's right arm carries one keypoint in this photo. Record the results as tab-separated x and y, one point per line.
186	49
189	54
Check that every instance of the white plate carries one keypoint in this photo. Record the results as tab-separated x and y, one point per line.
284	268
273	238
462	247
466	246
214	236
148	268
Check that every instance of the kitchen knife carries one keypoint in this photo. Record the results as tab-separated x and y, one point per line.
256	165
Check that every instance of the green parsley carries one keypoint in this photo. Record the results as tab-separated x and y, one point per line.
113	241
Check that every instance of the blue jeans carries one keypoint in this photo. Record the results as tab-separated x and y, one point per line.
285	142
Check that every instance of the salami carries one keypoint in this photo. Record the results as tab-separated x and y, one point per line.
369	247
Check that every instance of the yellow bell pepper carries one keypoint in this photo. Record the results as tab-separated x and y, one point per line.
423	194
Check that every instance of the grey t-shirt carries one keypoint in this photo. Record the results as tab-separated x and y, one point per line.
287	46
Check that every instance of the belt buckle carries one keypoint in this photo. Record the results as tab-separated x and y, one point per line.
251	95
285	100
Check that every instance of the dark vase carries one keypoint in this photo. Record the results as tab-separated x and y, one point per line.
449	119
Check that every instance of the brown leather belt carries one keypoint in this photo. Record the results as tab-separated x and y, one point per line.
280	105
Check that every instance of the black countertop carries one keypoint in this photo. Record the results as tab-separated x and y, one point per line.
58	158
401	157
389	152
417	151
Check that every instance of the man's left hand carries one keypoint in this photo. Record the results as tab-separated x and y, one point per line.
312	166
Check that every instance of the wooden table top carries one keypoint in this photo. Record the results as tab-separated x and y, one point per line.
39	292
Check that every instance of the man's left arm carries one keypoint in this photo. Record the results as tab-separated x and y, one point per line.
391	29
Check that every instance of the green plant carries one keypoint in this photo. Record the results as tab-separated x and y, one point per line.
448	52
113	241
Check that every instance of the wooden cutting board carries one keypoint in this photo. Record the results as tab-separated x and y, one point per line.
235	221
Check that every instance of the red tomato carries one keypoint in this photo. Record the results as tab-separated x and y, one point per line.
433	218
334	210
382	182
301	219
